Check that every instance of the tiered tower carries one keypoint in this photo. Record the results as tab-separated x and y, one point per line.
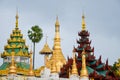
57	55
16	44
96	69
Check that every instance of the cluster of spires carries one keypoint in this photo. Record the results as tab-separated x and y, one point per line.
57	55
84	72
47	50
57	59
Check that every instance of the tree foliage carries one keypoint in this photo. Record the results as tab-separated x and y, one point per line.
35	35
116	68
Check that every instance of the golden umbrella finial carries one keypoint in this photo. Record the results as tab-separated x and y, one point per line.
16	19
57	22
83	23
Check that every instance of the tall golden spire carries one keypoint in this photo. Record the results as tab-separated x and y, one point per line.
74	67
57	55
12	69
31	72
84	72
83	23
57	52
16	24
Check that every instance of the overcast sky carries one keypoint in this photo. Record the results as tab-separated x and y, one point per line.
102	21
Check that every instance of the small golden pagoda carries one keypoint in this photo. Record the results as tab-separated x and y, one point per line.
74	67
46	51
83	72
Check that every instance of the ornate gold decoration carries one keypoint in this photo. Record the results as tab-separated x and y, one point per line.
4	72
20	53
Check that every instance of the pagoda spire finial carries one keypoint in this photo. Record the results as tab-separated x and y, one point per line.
74	67
31	72
57	22
12	69
84	72
16	24
83	23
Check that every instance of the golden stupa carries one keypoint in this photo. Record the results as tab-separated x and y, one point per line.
57	56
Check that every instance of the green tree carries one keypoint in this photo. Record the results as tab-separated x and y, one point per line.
116	68
35	35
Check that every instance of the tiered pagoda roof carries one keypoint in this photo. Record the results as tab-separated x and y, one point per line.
16	44
46	49
96	68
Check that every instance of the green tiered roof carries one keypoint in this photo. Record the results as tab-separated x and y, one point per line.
16	43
